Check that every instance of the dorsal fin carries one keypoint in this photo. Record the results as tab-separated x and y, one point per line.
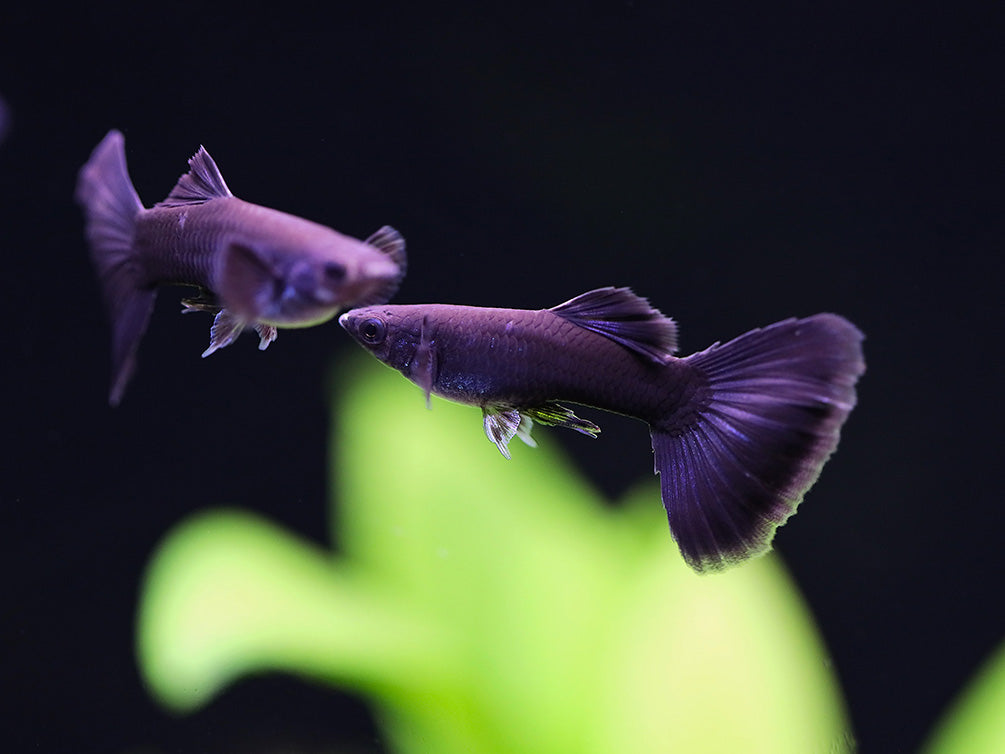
201	183
392	243
624	317
388	241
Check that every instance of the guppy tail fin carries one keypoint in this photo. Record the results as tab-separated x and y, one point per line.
757	437
111	206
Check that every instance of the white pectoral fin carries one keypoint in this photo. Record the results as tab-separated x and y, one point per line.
266	334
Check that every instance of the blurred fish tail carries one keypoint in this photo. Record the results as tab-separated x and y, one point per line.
111	207
736	459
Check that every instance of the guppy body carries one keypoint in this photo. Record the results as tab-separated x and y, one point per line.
253	266
548	358
740	431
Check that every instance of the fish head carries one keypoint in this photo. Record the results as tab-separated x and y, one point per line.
301	287
393	334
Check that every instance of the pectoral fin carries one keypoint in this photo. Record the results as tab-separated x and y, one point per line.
266	334
424	361
503	423
247	282
226	327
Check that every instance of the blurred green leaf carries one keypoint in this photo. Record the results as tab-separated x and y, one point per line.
487	605
975	724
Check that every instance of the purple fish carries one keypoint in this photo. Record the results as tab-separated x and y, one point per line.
253	266
740	431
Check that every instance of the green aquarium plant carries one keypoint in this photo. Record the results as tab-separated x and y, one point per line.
975	723
487	606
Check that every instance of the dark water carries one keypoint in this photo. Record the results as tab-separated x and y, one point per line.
736	165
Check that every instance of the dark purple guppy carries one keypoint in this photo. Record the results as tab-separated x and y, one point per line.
740	431
253	266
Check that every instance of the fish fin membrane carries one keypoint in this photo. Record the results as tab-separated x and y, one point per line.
624	317
247	282
736	466
202	182
392	243
224	331
554	415
266	335
502	424
111	206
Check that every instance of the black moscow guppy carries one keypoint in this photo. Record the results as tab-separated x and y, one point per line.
253	266
740	431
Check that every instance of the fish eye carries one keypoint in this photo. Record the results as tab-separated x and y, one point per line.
335	272
373	331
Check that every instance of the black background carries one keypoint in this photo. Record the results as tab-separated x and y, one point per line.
736	164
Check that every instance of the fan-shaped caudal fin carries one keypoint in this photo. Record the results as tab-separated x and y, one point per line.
734	468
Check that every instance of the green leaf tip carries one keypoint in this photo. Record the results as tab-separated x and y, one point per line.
975	723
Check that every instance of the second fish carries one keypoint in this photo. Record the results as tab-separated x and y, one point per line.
253	266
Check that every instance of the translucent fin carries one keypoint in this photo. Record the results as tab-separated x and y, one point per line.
391	243
130	311
266	335
625	318
203	301
201	183
554	415
111	207
247	283
736	461
424	361
502	424
226	327
208	302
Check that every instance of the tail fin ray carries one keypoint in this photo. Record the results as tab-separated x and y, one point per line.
110	207
775	402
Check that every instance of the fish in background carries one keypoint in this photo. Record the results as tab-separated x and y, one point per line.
253	266
740	431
